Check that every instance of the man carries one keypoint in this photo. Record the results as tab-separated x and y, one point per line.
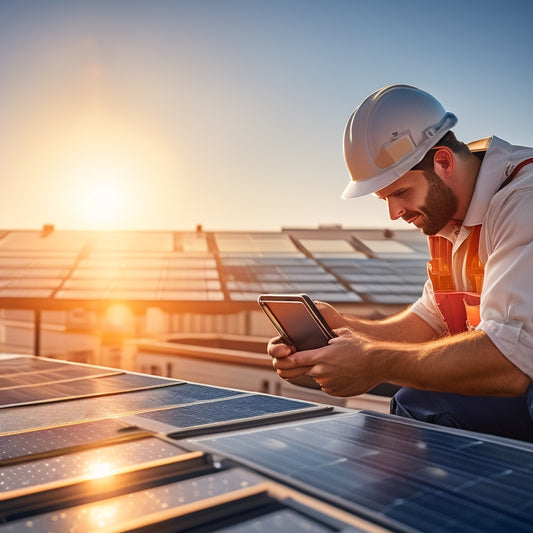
463	353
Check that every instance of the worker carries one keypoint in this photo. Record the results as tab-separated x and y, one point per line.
462	354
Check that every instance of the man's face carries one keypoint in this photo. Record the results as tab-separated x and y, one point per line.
440	204
421	198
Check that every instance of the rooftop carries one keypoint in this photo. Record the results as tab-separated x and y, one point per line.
51	268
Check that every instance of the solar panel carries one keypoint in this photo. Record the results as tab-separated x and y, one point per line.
106	460
246	507
255	243
244	409
59	241
23	379
45	441
126	241
46	269
174	456
427	478
127	403
18	364
79	388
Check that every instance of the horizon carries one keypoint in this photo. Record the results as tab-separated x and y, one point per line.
168	114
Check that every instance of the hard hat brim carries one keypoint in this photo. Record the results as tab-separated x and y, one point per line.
355	189
362	187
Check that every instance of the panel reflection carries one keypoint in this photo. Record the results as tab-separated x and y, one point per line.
113	511
89	464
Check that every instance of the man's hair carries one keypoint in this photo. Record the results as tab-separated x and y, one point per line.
450	141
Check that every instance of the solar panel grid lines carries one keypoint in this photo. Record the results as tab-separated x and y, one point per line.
147	257
240	410
60	439
425	477
233	500
80	476
13	364
37	379
390	473
80	387
127	403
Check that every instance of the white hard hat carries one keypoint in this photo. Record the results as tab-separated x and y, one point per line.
388	134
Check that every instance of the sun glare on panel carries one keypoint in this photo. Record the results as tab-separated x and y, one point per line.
101	470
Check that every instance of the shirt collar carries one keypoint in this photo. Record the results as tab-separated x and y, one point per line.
491	175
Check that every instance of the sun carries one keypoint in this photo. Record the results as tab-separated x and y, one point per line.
101	195
101	204
100	169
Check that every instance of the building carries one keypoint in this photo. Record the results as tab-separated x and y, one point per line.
95	296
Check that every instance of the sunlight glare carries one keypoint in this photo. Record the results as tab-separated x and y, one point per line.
102	204
101	196
100	469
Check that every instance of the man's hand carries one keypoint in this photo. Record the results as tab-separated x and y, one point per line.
279	351
331	315
342	368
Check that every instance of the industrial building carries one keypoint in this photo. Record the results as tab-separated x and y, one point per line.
136	394
136	300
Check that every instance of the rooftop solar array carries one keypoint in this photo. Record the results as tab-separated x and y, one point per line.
98	449
60	269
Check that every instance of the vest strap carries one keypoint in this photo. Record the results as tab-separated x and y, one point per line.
460	309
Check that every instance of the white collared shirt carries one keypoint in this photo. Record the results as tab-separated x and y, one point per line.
506	248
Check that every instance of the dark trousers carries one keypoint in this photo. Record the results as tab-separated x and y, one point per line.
506	417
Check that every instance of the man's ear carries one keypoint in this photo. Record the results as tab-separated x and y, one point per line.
444	162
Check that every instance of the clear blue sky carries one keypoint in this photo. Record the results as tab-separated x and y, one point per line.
154	114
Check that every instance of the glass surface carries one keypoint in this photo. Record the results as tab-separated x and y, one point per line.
330	246
428	478
18	364
99	407
189	285
22	379
280	261
38	283
95	261
33	240
112	273
184	262
113	511
46	440
191	296
280	521
85	387
245	407
146	241
191	242
387	246
184	273
94	463
25	293
248	242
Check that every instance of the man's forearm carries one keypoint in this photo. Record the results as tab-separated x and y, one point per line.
405	326
468	363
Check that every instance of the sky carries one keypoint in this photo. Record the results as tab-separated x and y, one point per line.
163	115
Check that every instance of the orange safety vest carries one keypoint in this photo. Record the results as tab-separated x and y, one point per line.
460	309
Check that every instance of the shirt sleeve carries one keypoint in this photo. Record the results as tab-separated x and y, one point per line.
426	308
506	309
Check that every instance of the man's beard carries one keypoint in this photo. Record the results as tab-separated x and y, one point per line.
439	206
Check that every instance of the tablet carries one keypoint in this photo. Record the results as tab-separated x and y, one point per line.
297	320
